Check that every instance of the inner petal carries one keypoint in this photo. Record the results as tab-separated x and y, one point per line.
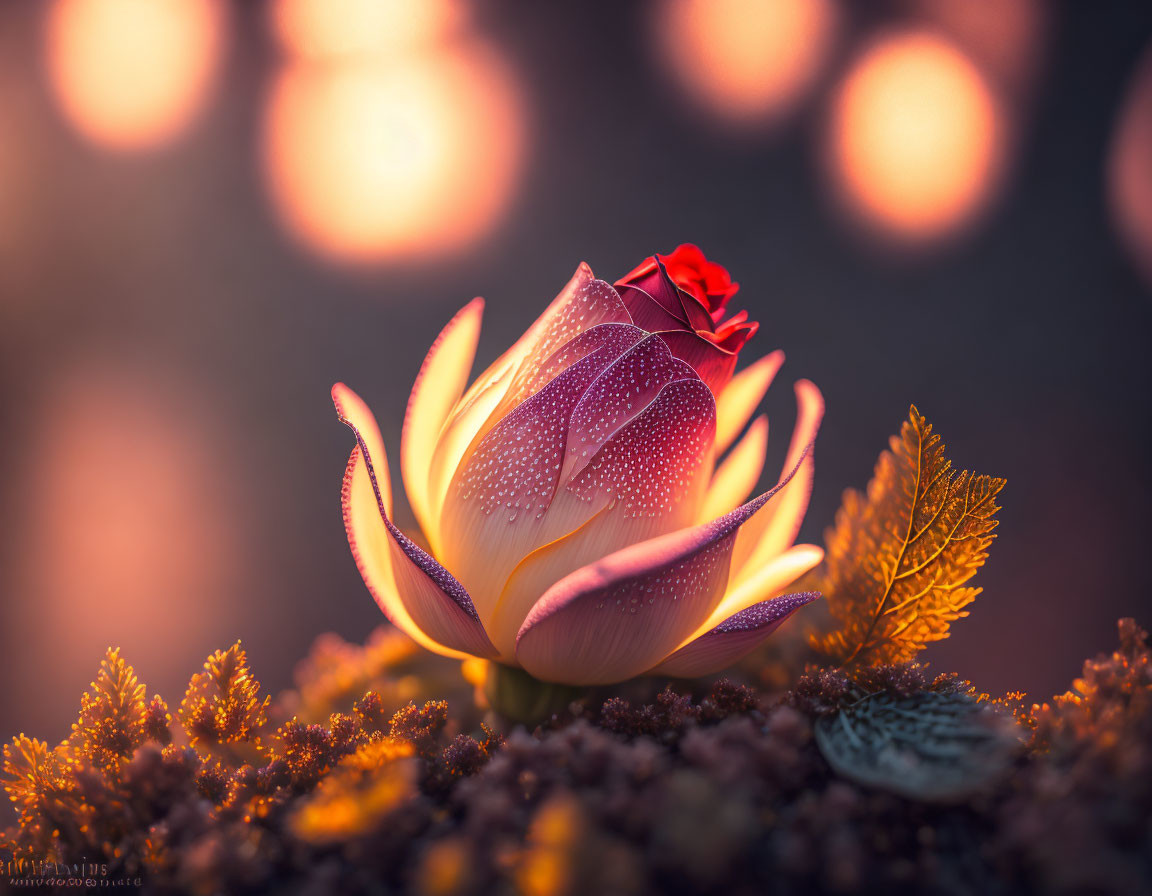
501	504
620	394
649	478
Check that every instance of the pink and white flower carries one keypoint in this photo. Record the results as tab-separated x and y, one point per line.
580	526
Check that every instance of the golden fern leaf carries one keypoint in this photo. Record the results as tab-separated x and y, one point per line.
111	722
898	559
222	704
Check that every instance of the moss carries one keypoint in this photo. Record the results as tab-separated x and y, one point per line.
721	791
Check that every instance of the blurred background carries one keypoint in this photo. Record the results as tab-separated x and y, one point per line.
209	212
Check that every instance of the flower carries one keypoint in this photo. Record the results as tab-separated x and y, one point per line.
578	523
683	297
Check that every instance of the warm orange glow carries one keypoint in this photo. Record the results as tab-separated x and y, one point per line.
327	28
916	137
746	60
128	530
545	866
1005	37
1130	169
132	74
393	155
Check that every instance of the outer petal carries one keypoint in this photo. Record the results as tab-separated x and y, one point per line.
621	616
737	476
415	592
514	356
459	433
770	580
732	639
605	533
771	532
740	398
438	388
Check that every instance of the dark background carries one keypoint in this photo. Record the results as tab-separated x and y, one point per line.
171	462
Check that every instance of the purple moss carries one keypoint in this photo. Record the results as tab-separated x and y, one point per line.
726	792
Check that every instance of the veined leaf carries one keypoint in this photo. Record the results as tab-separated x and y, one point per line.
899	558
927	746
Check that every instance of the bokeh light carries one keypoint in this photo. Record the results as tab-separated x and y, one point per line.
747	61
1130	168
393	155
129	529
133	74
1006	38
326	28
916	137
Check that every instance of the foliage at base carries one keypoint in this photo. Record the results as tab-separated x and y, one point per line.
716	791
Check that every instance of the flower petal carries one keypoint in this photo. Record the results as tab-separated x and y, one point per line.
737	476
438	388
743	394
606	532
713	363
621	393
772	531
512	358
415	592
615	618
458	434
535	359
647	313
696	311
504	500
587	303
649	285
583	303
648	478
622	615
732	639
770	580
653	466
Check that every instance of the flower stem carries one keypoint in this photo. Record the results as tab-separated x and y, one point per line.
519	697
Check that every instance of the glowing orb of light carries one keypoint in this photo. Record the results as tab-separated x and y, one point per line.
1130	168
1006	37
916	137
128	516
327	28
393	156
132	74
746	60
